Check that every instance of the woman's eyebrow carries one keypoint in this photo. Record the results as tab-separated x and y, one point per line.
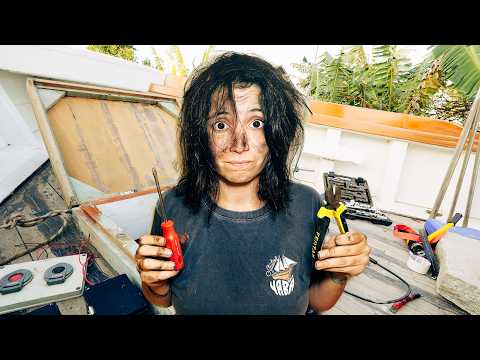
218	113
255	109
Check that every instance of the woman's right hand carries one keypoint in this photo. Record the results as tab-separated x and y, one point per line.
153	264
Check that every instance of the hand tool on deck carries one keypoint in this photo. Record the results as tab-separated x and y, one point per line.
426	241
429	255
168	230
398	305
408	234
434	237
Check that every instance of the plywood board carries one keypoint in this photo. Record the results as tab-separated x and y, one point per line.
113	145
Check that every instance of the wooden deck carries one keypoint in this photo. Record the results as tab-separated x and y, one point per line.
41	193
377	284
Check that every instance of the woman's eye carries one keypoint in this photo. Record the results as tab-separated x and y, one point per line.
220	126
256	124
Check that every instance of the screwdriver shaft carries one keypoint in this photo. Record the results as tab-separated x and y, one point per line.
162	205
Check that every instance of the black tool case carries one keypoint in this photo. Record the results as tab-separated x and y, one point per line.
355	194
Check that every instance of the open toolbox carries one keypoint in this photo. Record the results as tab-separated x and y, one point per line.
355	194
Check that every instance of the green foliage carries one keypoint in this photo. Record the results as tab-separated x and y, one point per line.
461	65
206	54
147	62
176	61
387	82
126	52
157	60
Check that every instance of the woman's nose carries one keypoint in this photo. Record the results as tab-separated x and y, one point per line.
239	141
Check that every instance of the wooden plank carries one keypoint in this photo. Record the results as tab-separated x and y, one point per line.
117	256
53	182
162	128
50	143
11	244
50	97
167	91
87	88
74	145
130	195
119	158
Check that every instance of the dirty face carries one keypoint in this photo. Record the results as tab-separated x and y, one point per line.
236	135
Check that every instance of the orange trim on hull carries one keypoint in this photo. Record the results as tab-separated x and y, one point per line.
388	124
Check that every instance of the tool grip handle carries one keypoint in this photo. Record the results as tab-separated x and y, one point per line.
429	253
456	218
172	242
344	221
321	228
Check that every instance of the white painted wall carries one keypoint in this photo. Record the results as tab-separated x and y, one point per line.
65	63
21	150
404	177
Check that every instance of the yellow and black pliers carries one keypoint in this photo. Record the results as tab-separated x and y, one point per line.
333	209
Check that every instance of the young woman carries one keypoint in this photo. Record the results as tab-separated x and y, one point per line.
248	227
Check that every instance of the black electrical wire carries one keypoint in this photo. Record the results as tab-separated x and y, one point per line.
373	261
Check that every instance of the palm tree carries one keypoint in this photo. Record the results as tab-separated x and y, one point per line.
389	81
176	61
461	66
157	60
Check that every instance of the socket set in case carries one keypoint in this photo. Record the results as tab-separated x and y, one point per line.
355	194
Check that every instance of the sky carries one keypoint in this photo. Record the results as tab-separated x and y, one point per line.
283	55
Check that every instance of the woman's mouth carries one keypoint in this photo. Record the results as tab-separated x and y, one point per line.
239	164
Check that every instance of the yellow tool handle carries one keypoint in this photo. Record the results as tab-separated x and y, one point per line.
324	212
338	212
440	231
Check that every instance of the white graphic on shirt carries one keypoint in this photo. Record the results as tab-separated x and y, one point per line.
280	268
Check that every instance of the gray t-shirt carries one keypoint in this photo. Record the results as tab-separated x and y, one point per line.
244	262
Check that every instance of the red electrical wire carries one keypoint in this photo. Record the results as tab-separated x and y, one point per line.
82	247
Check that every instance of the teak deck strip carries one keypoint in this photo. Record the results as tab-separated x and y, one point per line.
41	193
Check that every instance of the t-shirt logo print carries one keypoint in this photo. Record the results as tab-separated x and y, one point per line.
280	269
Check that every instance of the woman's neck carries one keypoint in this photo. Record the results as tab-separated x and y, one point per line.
239	197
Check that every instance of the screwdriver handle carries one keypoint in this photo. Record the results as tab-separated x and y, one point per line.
172	242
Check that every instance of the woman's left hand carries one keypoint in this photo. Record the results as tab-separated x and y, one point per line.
345	254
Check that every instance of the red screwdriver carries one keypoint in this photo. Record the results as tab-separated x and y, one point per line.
168	230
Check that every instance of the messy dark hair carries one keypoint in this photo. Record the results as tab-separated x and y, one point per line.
283	108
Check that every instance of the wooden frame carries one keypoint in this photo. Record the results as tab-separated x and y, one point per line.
51	144
86	91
